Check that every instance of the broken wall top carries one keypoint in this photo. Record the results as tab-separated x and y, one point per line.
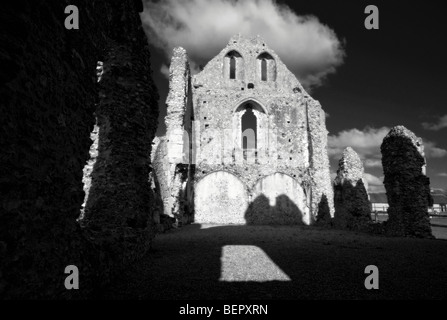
350	167
212	76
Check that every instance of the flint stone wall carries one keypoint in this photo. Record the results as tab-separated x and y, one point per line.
407	187
291	131
352	207
49	96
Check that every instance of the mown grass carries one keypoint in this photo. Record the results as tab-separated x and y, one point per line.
321	263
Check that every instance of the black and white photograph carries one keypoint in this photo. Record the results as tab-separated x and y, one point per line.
218	158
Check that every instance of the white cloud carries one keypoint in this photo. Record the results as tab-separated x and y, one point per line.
432	151
441	124
203	27
367	144
375	184
372	179
372	163
442	174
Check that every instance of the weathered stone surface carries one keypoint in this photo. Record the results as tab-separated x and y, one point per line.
220	198
49	94
290	135
350	167
407	187
322	193
352	207
278	199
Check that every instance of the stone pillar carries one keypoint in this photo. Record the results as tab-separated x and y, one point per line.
319	159
118	211
407	187
177	101
352	209
49	93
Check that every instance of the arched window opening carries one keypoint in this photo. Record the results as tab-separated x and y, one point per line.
264	69
248	126
232	67
250	122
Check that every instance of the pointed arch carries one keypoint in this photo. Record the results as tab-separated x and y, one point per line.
266	67
233	66
250	131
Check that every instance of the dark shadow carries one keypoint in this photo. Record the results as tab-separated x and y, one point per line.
319	263
352	207
188	263
407	187
324	214
284	212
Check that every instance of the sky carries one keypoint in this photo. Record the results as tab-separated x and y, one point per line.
367	81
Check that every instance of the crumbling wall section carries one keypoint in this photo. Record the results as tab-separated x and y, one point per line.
319	160
177	144
120	197
49	92
352	207
407	187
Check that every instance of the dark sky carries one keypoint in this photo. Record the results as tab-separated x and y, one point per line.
391	76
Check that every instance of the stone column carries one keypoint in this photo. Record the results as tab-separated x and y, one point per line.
352	207
319	159
407	187
177	101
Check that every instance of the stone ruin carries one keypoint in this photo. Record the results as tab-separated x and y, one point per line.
72	138
51	101
352	206
407	186
245	142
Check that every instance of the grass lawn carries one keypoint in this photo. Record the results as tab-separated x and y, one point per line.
282	262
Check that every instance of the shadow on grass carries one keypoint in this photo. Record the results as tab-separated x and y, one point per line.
187	263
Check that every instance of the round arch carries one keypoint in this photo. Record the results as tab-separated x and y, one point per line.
261	131
220	197
279	199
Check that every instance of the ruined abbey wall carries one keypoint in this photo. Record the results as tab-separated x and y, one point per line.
291	136
407	186
50	95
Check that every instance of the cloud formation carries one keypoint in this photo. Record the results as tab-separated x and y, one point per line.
375	184
367	144
432	151
309	48
441	124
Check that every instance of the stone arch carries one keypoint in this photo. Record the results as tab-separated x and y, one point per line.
233	66
266	66
261	131
220	197
278	199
